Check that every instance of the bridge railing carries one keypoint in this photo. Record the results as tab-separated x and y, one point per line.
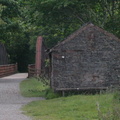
31	70
8	69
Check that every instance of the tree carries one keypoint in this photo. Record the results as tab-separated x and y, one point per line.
13	33
56	19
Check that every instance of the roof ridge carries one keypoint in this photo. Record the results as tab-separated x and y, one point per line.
107	33
82	28
74	34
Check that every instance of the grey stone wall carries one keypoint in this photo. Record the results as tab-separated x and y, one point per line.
91	59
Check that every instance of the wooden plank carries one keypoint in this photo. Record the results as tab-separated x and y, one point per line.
81	88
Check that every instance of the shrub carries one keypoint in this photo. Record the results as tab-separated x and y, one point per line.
50	94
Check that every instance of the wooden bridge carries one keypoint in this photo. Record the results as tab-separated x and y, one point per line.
5	68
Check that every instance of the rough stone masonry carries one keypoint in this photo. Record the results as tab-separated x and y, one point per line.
88	58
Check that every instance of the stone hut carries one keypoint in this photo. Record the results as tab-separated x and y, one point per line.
3	55
88	59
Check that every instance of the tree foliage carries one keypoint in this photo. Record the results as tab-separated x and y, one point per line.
13	34
56	19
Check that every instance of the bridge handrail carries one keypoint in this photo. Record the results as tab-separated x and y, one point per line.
31	70
8	69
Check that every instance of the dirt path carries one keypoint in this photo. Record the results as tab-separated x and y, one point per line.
10	98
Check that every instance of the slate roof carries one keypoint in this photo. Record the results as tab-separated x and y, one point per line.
80	30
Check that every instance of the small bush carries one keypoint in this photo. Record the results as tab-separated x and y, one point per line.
50	94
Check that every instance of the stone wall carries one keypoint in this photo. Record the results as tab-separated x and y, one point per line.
91	59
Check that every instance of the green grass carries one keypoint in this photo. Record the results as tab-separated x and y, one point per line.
33	88
77	107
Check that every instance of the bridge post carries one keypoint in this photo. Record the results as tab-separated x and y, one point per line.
38	55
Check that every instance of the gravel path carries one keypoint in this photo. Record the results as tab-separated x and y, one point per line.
10	98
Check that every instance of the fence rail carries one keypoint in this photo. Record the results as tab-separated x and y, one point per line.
31	70
8	69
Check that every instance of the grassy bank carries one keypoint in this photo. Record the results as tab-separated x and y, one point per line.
33	87
77	107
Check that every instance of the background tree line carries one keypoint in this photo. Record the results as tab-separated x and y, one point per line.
21	21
